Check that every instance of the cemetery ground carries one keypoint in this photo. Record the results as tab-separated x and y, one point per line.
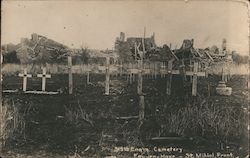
88	121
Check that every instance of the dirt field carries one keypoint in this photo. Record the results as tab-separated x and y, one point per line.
83	123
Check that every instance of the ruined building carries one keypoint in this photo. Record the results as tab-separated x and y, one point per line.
39	48
130	41
125	47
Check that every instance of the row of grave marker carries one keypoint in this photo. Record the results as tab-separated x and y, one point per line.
169	72
25	76
131	72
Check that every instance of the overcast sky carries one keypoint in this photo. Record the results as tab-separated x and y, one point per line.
97	24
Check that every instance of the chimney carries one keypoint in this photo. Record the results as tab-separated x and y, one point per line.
192	42
153	37
34	37
224	44
122	36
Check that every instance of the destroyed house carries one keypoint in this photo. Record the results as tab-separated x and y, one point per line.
163	54
149	42
39	47
126	47
186	51
46	42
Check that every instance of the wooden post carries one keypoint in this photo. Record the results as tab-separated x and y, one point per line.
70	75
194	85
130	74
183	71
130	78
1	110
163	66
135	51
139	86
140	93
141	110
1	67
191	68
107	76
169	77
88	78
155	75
88	70
208	89
223	75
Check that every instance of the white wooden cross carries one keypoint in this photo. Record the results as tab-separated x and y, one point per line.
25	76
44	76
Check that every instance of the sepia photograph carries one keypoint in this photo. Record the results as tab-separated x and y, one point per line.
125	79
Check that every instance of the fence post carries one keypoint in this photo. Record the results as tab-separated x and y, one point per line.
194	85
183	70
1	111
140	93
70	75
107	76
191	68
88	80
139	86
141	110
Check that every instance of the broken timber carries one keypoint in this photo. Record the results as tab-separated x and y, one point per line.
31	92
194	85
127	117
41	92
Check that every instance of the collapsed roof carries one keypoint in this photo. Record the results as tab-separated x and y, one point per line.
39	47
